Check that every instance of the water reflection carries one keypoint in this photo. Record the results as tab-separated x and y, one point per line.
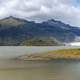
64	71
40	70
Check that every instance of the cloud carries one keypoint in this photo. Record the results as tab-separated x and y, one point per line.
40	10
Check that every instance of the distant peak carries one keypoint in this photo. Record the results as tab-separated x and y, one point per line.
52	20
11	21
11	17
56	22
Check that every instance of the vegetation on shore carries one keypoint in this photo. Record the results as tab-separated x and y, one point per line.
66	53
41	41
53	54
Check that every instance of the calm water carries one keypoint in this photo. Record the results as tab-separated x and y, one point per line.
36	70
8	52
39	70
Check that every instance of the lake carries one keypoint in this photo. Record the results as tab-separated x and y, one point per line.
9	52
39	70
36	70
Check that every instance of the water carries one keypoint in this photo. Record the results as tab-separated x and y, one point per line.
36	70
39	70
7	52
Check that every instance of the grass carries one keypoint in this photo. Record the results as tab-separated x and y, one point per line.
68	53
54	54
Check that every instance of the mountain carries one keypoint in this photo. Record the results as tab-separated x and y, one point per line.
15	32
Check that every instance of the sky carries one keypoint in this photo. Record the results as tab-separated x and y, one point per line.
67	11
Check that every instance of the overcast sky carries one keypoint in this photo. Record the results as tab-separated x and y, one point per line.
67	11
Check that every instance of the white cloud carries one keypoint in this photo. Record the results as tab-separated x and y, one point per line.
40	10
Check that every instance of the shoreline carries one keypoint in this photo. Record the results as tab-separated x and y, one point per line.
53	54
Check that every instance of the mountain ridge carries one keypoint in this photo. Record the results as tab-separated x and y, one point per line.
16	31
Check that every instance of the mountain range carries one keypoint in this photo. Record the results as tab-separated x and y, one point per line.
20	32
